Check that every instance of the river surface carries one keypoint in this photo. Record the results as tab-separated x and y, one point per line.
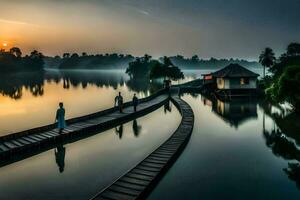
241	149
30	100
82	169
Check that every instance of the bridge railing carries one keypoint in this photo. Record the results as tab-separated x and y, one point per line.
78	119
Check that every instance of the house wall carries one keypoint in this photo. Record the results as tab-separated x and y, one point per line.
220	83
235	83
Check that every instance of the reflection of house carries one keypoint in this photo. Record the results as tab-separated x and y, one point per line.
232	79
234	112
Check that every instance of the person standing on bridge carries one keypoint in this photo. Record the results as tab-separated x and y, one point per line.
119	102
135	102
60	117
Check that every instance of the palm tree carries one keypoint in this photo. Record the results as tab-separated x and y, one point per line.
16	51
147	58
267	58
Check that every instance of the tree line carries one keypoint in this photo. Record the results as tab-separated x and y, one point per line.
283	85
195	62
147	68
85	61
13	61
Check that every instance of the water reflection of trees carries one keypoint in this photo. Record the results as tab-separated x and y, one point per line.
284	138
12	85
142	85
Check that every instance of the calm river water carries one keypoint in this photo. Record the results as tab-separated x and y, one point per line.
242	149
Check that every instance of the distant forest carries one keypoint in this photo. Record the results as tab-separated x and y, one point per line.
120	61
196	63
13	61
85	61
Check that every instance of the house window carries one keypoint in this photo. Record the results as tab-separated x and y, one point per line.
244	81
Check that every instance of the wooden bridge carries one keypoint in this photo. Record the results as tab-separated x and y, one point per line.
23	144
138	182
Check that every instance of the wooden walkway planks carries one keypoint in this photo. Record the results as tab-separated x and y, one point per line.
10	146
139	181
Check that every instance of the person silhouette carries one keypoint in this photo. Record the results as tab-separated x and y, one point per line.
136	128
60	117
60	153
119	131
135	102
167	107
119	102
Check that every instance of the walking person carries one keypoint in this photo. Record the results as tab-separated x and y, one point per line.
135	102
119	102
60	117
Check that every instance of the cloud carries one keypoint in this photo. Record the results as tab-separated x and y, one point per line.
16	22
143	12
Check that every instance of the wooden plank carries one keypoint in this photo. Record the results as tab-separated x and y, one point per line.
23	141
41	136
3	148
158	158
125	190
48	136
10	145
139	176
34	138
154	165
144	172
135	181
129	185
29	139
155	161
118	196
53	133
161	155
17	143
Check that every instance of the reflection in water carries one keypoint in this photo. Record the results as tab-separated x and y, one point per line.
283	138
168	107
136	128
60	153
293	172
119	131
12	85
235	111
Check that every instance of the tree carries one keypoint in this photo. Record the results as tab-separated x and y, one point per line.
147	58
293	49
160	70
167	61
267	59
139	68
66	55
74	55
286	88
36	55
16	51
195	59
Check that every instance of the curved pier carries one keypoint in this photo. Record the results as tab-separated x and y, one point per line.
21	145
139	181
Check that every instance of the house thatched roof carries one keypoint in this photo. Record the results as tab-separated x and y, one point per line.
234	70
